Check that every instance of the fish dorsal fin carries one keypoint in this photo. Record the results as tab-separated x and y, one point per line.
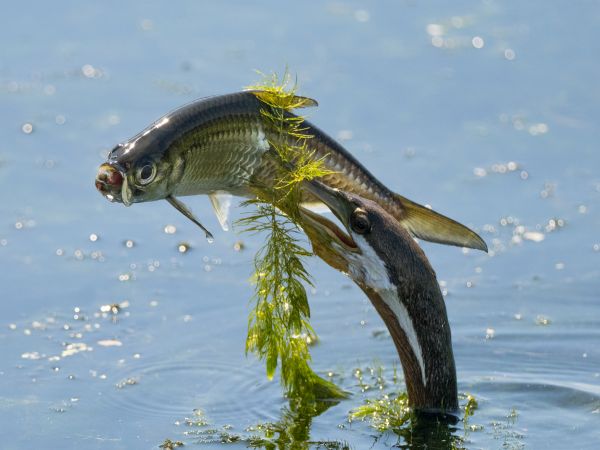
285	100
221	202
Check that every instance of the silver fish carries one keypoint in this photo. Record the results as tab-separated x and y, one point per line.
220	146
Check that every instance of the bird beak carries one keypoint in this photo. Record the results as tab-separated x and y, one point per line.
334	199
332	244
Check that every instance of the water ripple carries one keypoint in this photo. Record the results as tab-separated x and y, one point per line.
223	389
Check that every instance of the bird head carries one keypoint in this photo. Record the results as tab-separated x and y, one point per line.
371	236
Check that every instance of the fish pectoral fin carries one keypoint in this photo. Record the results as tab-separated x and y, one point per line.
429	225
187	213
293	102
221	203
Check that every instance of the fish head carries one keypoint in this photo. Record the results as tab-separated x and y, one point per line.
139	170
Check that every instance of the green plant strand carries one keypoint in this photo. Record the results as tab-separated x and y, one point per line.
279	330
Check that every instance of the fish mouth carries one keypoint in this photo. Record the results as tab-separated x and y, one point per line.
111	182
323	230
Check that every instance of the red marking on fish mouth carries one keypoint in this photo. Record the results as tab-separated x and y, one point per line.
109	181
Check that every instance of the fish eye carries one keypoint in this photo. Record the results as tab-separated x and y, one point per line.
146	173
359	222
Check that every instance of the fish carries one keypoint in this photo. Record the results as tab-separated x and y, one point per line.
222	146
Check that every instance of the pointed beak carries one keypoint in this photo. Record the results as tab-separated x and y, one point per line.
333	244
110	182
334	199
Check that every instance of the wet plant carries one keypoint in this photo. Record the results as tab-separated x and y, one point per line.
168	444
279	330
391	416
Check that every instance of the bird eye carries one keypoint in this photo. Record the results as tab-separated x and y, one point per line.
146	173
359	222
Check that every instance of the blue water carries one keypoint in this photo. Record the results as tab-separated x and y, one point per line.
487	110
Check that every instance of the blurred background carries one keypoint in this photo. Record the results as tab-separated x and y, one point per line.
122	327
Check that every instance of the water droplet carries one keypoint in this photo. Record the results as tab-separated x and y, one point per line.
170	229
479	172
88	71
542	320
27	128
210	238
129	243
435	29
478	42
93	237
534	236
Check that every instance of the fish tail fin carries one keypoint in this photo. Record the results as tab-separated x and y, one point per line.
424	223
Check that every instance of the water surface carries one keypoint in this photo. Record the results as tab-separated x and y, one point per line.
487	111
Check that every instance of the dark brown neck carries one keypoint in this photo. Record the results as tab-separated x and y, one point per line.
434	390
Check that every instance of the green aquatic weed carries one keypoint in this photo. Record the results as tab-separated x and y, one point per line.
470	406
389	412
168	444
279	329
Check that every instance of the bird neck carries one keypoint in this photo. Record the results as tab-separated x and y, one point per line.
416	318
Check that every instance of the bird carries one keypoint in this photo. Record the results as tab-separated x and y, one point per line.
384	260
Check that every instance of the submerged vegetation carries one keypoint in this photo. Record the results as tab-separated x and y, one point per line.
388	414
279	329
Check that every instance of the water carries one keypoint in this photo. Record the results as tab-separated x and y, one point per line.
488	111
